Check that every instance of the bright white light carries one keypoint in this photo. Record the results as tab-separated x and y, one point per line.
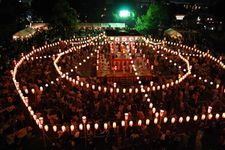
124	13
180	17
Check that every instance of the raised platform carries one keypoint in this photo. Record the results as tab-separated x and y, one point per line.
105	71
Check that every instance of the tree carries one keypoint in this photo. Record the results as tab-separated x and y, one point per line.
43	8
57	12
157	16
63	14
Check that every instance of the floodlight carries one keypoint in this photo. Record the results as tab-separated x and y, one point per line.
124	13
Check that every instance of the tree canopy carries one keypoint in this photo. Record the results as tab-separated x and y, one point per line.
157	16
63	14
57	12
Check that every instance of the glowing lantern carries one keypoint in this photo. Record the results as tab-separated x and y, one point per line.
105	126
122	123
35	117
105	89
217	86
46	128
150	105
223	115
63	128
54	128
136	90
151	83
117	90
203	117
147	122
88	126
165	119
153	88
99	88
81	127
114	85
131	123
26	91
41	88
158	87
188	118
153	110
155	120
96	126
156	114
72	127
167	85
40	126
173	120
217	116
195	118
139	122
114	125
181	119
32	112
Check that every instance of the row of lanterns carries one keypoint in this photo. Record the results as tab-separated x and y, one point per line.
126	122
156	120
124	90
38	119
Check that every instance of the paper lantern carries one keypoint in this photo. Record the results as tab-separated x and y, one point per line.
156	115
81	127
105	126
96	126
46	128
203	117
63	128
150	105
131	123
88	126
147	122
165	119
188	118
153	110
122	123
72	127
139	122
195	118
155	120
181	119
114	125
54	128
223	115
210	116
173	120
217	116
